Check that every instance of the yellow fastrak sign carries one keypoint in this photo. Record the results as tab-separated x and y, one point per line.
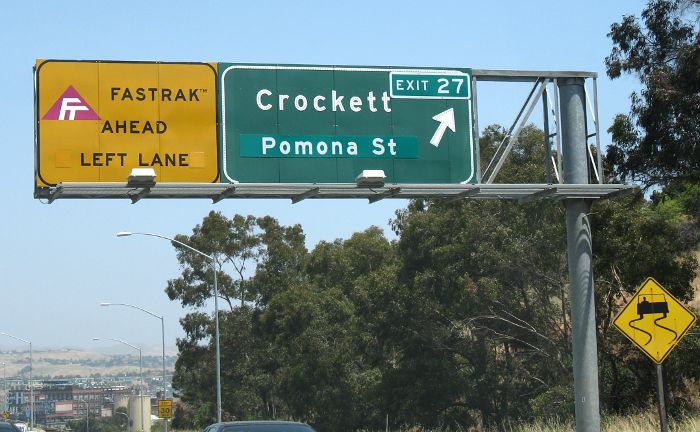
654	320
96	120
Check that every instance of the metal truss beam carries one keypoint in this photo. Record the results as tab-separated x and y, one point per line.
541	81
297	192
527	76
502	152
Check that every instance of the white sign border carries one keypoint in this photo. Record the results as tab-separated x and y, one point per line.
416	71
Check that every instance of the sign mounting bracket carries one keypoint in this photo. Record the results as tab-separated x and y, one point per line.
386	194
302	196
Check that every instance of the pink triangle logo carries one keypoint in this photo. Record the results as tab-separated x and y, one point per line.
70	106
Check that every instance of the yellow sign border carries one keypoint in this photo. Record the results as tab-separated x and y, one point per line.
666	292
41	183
163	404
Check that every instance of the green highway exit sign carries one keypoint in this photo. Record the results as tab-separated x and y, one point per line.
326	124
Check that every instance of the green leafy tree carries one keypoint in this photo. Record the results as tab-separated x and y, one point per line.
234	244
238	245
330	359
658	142
634	240
487	298
183	416
484	300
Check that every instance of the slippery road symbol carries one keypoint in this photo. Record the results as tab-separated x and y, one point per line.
646	307
654	320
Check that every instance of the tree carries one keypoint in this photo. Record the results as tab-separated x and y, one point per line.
233	243
239	246
183	417
483	295
658	142
632	240
484	311
326	337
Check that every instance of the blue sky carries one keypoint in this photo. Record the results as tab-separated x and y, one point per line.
59	261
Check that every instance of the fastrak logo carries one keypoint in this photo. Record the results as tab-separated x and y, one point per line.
70	106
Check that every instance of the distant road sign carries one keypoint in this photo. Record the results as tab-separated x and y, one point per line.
165	408
654	320
97	120
326	124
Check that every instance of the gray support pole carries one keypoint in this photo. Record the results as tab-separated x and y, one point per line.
662	399
580	257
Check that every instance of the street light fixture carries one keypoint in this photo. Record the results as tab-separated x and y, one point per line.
31	387
216	309
140	370
162	327
370	178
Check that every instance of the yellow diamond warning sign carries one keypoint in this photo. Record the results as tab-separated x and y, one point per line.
654	320
97	120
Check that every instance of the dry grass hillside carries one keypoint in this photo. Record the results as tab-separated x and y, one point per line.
78	363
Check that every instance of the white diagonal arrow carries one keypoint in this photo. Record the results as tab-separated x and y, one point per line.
447	120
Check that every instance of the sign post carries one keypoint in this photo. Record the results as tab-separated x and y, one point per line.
662	398
165	408
327	124
655	321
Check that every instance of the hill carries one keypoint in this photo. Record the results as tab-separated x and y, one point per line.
67	363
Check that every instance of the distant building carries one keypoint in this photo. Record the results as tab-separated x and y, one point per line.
56	402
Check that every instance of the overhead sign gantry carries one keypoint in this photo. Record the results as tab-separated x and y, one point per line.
109	129
315	132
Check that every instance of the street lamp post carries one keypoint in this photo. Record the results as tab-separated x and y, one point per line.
140	370
4	388
162	327
31	387
216	309
87	414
